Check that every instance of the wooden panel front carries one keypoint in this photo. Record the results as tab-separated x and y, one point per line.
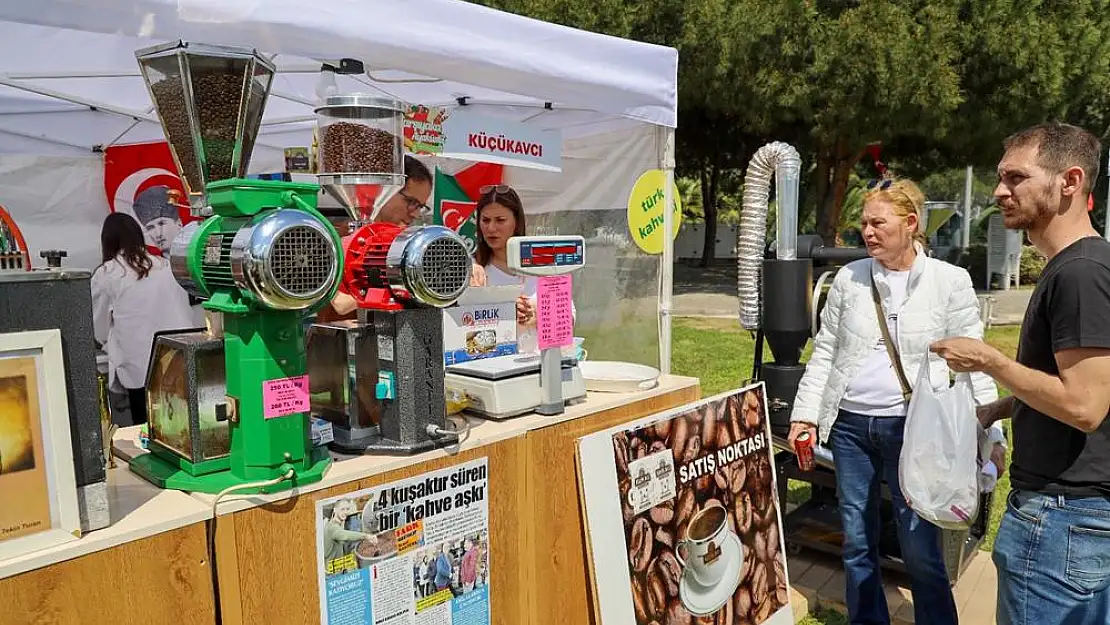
556	537
273	575
161	580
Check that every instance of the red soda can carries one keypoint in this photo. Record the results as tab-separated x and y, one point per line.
803	449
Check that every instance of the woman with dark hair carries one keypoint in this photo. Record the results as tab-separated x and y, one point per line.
134	296
500	216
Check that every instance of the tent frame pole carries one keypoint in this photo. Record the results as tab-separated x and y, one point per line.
666	163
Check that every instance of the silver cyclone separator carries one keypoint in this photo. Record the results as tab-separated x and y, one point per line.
782	161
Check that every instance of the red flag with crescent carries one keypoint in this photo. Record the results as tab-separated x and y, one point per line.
142	180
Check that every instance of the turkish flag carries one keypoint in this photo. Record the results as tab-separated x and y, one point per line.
142	180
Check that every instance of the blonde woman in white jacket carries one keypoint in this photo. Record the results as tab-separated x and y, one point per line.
852	396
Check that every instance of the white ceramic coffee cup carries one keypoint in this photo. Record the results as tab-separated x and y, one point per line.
704	545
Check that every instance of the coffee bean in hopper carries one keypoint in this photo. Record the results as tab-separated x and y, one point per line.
353	148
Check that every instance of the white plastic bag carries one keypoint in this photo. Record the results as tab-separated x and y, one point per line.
939	469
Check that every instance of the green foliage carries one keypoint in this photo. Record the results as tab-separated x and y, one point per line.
1032	264
938	83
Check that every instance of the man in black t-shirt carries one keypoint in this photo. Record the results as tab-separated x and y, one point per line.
1053	546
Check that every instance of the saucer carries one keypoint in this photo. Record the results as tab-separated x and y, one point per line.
702	600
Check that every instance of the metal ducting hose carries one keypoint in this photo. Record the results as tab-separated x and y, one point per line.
752	235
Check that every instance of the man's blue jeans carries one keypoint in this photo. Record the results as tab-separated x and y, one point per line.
1053	559
865	450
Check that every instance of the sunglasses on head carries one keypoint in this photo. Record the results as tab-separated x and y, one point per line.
882	183
497	188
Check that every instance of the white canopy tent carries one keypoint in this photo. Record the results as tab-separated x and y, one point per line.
70	86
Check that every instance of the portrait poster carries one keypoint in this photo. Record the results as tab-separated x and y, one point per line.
23	467
683	519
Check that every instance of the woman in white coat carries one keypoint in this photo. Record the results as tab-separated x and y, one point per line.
854	398
134	296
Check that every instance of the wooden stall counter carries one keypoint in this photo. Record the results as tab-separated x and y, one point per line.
150	563
266	545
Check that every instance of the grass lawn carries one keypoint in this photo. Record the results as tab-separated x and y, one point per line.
720	353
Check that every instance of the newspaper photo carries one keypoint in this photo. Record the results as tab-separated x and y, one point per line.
412	552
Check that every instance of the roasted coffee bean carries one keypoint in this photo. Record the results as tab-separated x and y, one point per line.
709	427
669	571
665	536
693	448
732	520
657	447
742	602
751	411
657	594
639	601
621	452
782	594
217	96
636	447
663	429
677	614
640	543
738	476
765	609
679	434
759	472
749	565
761	547
773	543
348	147
724	434
704	486
663	514
720	476
685	507
736	419
759	585
743	509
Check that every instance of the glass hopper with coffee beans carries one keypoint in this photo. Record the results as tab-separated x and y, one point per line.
229	406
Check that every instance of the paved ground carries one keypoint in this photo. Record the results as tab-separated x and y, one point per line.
819	579
711	292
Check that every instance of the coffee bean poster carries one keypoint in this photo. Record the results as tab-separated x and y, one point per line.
683	519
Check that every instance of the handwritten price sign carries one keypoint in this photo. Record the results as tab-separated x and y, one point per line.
554	313
281	398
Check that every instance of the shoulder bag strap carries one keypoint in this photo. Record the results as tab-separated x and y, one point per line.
891	348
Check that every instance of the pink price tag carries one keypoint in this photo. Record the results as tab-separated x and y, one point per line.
554	314
281	398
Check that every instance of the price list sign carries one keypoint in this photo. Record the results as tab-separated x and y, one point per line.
284	397
554	313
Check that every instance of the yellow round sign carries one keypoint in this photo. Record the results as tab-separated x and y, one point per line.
645	211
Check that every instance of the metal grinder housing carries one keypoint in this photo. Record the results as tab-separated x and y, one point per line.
263	259
380	380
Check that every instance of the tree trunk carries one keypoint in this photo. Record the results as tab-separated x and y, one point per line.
834	170
710	176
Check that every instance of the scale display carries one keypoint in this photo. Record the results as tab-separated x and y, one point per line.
550	255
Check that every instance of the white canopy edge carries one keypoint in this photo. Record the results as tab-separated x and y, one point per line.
69	80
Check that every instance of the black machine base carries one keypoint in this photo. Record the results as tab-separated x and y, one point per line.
815	524
782	386
378	443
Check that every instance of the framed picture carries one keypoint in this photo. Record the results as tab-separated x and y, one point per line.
36	456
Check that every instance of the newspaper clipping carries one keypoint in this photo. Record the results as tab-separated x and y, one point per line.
413	552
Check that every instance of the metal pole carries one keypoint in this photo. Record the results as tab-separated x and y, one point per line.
965	229
666	137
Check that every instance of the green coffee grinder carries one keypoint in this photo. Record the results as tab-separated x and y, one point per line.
262	260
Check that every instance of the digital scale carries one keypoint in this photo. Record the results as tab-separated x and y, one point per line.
508	386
